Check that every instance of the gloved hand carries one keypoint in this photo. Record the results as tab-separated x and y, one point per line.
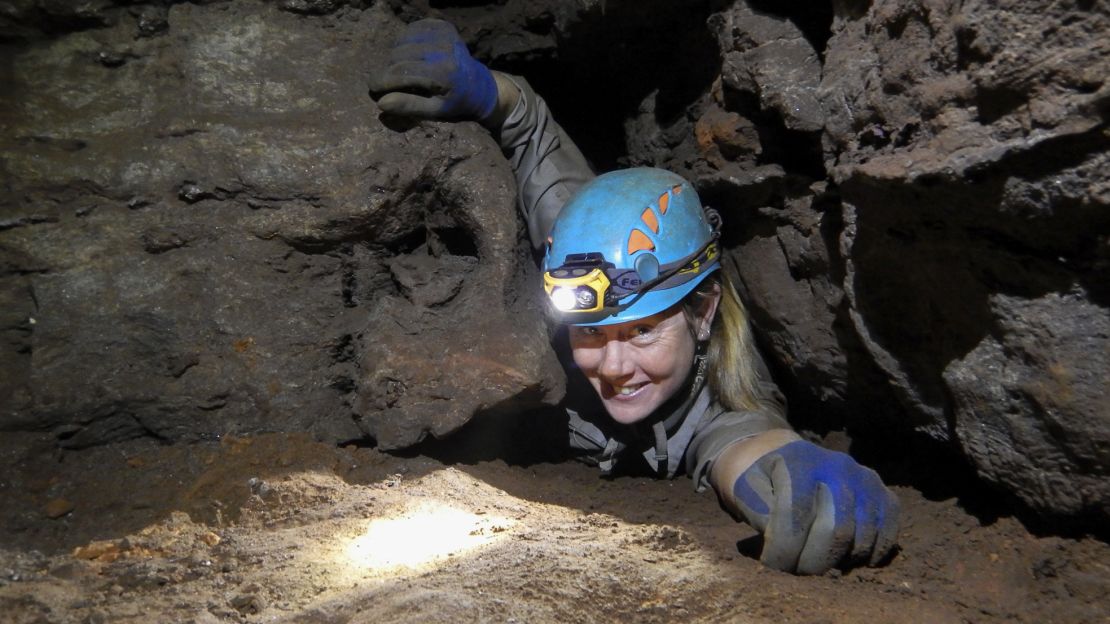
816	509
431	75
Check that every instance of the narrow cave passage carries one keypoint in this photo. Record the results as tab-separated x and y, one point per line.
267	356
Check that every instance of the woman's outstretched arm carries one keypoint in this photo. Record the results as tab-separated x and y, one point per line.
548	166
431	75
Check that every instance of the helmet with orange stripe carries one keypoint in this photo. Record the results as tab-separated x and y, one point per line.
629	244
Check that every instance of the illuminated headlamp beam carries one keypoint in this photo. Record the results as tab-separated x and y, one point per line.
568	298
564	299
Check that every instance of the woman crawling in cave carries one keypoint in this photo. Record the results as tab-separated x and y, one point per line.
631	267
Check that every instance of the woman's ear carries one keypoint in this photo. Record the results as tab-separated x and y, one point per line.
708	311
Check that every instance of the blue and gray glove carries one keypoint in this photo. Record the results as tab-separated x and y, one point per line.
431	75
817	509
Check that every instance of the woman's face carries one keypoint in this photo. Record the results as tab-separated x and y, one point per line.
636	366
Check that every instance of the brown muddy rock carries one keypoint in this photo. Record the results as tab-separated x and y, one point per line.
758	163
29	19
784	270
198	240
1031	400
768	58
725	136
962	161
920	90
462	335
970	144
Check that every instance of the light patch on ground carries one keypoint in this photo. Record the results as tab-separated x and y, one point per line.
421	536
266	530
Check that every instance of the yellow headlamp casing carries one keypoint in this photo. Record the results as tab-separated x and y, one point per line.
576	289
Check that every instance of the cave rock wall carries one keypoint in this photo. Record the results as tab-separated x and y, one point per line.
944	270
205	229
971	147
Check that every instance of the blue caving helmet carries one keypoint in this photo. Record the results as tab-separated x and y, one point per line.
627	245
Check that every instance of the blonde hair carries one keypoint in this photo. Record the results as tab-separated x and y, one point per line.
733	375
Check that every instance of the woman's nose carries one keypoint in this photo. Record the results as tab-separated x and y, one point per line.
615	360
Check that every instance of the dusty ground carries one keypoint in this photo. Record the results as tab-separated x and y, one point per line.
283	529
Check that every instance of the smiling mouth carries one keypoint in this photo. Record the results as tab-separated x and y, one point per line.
626	391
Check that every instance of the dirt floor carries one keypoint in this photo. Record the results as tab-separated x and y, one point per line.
279	528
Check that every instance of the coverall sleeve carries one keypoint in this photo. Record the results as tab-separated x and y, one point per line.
722	431
548	166
717	433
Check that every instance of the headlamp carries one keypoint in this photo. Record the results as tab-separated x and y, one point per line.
588	283
568	299
580	285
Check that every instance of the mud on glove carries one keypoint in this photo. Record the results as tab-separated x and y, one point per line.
431	75
817	508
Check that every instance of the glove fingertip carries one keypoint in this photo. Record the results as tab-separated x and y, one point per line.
777	557
427	29
386	80
408	105
788	523
433	24
890	522
831	533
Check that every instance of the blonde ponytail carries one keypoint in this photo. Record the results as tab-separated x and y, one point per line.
733	374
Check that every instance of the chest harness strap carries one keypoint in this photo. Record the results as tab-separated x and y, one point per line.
660	428
608	455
